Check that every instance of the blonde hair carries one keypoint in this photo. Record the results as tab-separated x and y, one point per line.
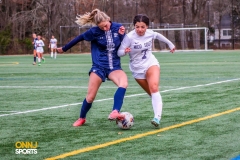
95	17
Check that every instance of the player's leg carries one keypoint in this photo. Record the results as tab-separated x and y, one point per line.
39	58
34	56
120	79
55	53
144	84
42	58
152	76
94	83
51	52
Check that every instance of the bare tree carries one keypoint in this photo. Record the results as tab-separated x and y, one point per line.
221	8
19	18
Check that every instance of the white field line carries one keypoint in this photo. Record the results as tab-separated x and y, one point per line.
8	111
70	87
134	95
55	87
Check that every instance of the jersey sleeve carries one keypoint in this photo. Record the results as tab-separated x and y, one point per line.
160	37
43	44
88	36
73	42
125	44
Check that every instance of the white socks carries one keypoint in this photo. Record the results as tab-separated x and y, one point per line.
157	105
55	55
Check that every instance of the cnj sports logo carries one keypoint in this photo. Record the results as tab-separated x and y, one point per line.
26	147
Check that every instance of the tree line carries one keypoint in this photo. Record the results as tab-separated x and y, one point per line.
20	18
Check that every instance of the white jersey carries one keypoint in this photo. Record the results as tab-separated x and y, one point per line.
141	57
53	43
39	46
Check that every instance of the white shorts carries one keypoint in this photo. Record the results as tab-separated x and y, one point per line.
140	71
39	49
53	46
143	75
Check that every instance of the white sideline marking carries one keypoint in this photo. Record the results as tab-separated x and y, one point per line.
134	95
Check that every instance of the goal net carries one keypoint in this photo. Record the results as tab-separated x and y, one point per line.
185	39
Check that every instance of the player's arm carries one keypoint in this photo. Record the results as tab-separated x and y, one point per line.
43	44
73	43
160	37
121	32
88	36
125	47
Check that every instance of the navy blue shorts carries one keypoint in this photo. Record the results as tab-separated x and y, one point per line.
103	73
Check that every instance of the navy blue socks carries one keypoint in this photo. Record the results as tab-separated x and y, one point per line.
118	98
85	108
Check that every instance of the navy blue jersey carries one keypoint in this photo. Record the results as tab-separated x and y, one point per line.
34	43
104	45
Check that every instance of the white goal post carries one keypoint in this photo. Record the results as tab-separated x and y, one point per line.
185	39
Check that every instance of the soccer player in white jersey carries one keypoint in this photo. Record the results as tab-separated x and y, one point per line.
144	66
53	47
39	44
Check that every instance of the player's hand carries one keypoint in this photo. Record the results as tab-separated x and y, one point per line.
172	50
59	50
127	50
121	30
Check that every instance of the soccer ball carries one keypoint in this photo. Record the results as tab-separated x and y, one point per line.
127	122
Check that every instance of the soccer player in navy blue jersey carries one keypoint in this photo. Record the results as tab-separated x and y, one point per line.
34	48
105	39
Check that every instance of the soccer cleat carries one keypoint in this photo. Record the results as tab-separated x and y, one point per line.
155	122
115	115
39	64
43	60
34	63
79	122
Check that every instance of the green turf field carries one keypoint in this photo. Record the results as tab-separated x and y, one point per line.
200	121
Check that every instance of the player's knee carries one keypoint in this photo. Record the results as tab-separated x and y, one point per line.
154	88
90	99
124	84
